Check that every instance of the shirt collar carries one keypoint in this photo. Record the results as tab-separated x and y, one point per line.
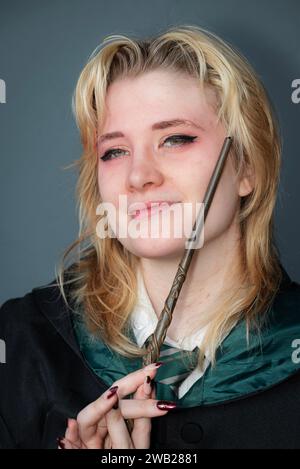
144	321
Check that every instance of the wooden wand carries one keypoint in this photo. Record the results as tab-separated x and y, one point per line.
156	339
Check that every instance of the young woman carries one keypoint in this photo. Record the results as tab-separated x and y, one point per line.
153	115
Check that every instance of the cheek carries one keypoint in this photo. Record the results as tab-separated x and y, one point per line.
226	200
195	178
107	185
224	208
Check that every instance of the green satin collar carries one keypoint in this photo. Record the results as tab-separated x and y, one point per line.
240	370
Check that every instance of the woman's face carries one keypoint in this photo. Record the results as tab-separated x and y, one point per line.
148	163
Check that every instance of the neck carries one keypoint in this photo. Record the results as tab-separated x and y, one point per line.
213	270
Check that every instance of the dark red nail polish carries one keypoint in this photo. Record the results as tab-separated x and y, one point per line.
166	405
114	388
112	391
159	363
60	443
148	380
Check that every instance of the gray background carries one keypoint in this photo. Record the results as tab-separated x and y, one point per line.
43	47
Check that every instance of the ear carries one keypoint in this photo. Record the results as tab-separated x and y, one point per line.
246	184
245	187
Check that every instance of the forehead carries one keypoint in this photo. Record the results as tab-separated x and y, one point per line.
163	85
156	96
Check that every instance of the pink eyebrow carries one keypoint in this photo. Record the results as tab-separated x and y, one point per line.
157	126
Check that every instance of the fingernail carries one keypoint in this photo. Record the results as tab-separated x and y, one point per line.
166	405
147	385
60	442
153	366
112	391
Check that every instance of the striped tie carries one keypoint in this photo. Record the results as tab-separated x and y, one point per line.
180	365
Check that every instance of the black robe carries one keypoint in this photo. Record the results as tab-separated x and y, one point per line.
45	380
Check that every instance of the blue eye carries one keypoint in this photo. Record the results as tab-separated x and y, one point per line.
183	139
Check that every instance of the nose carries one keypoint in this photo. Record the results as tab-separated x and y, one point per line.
143	171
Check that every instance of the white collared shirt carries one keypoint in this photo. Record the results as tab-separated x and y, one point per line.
144	321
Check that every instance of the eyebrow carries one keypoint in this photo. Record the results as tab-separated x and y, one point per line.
157	126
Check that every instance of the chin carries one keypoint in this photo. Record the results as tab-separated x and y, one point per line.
156	248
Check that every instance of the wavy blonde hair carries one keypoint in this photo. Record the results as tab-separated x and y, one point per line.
102	279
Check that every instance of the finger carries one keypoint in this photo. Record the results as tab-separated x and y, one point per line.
141	432
72	432
64	443
153	393
89	417
145	389
102	428
117	430
129	383
107	442
139	408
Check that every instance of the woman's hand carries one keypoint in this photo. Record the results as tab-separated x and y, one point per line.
101	425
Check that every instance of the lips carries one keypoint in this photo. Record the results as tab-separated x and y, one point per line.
142	209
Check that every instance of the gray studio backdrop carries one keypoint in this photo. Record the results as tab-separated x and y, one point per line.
43	46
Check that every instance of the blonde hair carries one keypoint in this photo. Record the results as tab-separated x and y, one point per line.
103	276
